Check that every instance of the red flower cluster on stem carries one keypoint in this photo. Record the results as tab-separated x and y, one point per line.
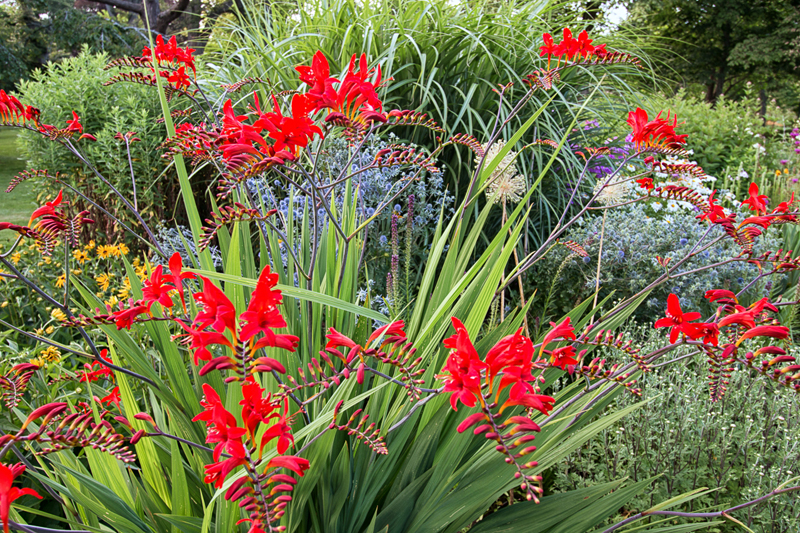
659	132
570	47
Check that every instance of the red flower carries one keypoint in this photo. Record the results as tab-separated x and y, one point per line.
124	318
776	332
568	46
113	397
49	208
75	124
563	357
563	330
222	427
156	289
298	465
646	183
393	329
218	311
549	47
11	109
513	350
757	202
463	366
724	296
714	211
656	133
179	78
9	493
709	332
540	402
293	132
177	275
676	319
585	47
262	315
201	340
280	430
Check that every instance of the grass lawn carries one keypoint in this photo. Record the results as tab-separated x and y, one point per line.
17	206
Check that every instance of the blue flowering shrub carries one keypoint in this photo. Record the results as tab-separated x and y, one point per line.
633	237
401	219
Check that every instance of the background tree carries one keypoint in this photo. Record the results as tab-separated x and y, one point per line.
724	44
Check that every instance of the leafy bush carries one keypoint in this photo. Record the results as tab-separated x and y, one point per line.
633	237
77	84
741	447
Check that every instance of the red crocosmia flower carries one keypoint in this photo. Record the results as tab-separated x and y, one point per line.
218	471
218	311
292	132
784	207
201	340
776	332
318	76
113	397
12	109
155	289
600	50
255	407
470	421
658	132
222	430
281	430
393	329
298	465
461	374
9	493
709	332
262	315
585	47
646	183
756	202
179	78
568	46
743	317
543	404
277	340
724	296
549	47
763	221
714	211
676	319
563	330
563	357
177	275
513	350
75	124
336	340
49	208
124	318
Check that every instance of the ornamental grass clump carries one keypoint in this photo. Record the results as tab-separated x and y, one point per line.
260	396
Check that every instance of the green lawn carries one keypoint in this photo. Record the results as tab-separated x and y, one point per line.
17	206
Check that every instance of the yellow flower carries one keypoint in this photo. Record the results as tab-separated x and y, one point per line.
777	173
123	294
785	170
104	252
103	281
4	304
15	257
49	330
37	361
112	301
123	249
76	271
51	354
61	280
58	315
136	262
39	331
89	246
48	260
80	256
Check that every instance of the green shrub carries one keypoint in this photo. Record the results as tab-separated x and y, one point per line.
77	84
744	446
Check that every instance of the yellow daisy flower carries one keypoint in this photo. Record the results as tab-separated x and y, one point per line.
112	301
103	281
90	246
15	257
104	252
51	354
58	315
123	249
80	256
49	329
61	280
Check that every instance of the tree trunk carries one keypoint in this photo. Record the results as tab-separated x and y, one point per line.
762	96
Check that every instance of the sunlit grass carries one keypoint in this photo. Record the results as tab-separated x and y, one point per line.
17	206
